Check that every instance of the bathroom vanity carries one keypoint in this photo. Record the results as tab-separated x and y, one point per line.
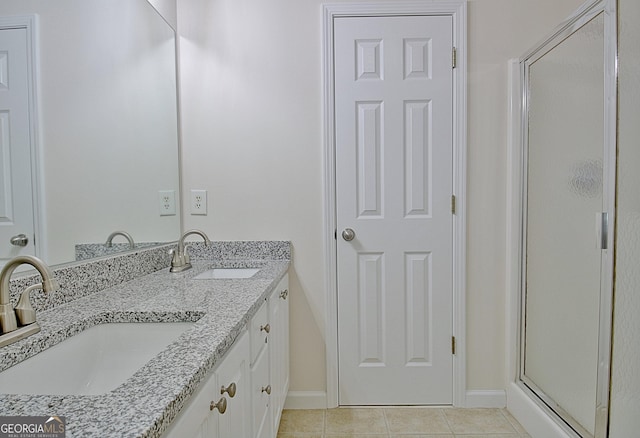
238	344
245	394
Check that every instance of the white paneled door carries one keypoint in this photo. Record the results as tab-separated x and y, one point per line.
394	182
16	199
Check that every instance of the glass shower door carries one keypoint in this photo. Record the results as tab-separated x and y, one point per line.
563	223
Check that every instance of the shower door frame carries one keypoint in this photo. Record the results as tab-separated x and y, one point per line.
584	14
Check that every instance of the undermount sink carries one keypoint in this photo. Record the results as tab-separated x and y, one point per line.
95	361
222	273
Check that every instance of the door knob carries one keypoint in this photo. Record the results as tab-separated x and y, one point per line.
348	234
19	240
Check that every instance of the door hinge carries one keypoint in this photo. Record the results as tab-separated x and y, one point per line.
454	58
453	204
335	234
453	345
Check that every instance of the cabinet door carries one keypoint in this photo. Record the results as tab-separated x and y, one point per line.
199	420
279	348
233	384
196	419
261	391
207	429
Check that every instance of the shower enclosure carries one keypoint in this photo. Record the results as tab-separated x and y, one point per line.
568	200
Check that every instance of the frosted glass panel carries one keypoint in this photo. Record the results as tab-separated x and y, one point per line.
564	194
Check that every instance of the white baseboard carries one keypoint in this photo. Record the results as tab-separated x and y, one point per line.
486	399
306	400
531	416
318	399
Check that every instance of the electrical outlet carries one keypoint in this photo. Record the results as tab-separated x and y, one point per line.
167	202
198	202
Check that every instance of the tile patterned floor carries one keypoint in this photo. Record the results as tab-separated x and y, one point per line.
400	422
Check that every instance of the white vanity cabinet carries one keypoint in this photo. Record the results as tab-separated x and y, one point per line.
257	368
260	329
221	405
279	354
270	361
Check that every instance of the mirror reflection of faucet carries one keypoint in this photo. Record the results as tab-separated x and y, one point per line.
126	235
23	315
180	259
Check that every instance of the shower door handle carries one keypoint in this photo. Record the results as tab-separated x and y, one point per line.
602	230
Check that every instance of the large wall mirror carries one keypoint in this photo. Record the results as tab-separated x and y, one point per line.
569	200
107	129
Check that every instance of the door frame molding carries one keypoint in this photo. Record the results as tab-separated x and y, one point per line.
30	23
457	9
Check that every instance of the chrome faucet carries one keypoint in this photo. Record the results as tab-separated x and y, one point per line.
23	313
180	260
120	233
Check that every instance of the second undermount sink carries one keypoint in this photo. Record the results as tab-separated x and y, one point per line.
222	273
95	361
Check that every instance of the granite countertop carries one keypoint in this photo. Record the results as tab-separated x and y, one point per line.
148	401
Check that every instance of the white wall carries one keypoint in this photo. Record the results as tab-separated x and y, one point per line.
625	379
252	137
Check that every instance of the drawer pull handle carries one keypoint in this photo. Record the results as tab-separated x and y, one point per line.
221	406
266	389
266	328
231	390
284	294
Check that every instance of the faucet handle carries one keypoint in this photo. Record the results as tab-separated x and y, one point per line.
175	257
24	312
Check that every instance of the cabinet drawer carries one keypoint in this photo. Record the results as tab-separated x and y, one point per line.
259	332
261	390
